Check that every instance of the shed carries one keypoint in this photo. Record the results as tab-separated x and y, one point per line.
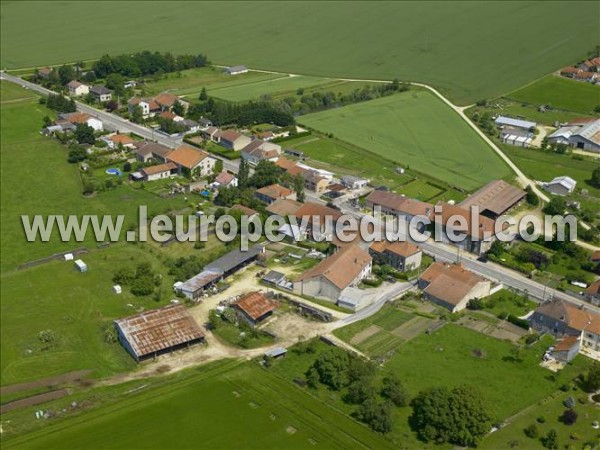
502	121
274	277
276	352
117	289
81	266
68	256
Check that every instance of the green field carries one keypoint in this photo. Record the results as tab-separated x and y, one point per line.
415	129
36	179
189	83
561	93
226	407
543	166
470	50
272	87
551	409
446	357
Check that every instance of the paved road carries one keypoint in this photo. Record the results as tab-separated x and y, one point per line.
114	122
490	270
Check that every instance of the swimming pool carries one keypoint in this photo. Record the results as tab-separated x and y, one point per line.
113	171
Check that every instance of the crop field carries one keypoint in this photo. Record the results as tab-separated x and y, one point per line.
415	129
247	405
470	50
562	93
454	355
272	87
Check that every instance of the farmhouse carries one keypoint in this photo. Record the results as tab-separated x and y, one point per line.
75	118
151	150
236	70
560	185
292	168
560	318
394	204
269	194
283	207
313	181
317	217
245	210
494	199
233	140
190	160
592	293
478	230
254	308
116	140
402	256
166	100
452	286
352	182
257	151
101	93
158	172
148	107
226	179
330	277
77	89
153	333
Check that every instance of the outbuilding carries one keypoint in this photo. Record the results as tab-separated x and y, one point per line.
81	266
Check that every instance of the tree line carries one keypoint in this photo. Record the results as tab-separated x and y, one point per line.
243	114
146	63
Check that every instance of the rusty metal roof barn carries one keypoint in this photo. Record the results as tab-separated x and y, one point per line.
158	331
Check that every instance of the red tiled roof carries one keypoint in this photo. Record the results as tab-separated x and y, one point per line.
275	191
225	178
187	156
341	268
166	99
401	248
449	282
122	139
254	304
159	168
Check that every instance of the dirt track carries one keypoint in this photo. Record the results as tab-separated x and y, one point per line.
46	382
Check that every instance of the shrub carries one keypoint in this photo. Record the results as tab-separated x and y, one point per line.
532	431
569	417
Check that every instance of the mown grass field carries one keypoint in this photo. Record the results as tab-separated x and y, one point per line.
189	83
562	93
470	50
271	87
244	406
415	129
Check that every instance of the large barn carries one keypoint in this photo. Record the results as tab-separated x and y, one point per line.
153	333
494	199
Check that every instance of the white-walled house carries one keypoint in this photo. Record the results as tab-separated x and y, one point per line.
77	89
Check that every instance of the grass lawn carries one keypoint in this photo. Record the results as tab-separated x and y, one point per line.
505	301
274	87
551	409
231	334
421	189
470	50
36	179
249	406
415	129
387	318
562	93
446	357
